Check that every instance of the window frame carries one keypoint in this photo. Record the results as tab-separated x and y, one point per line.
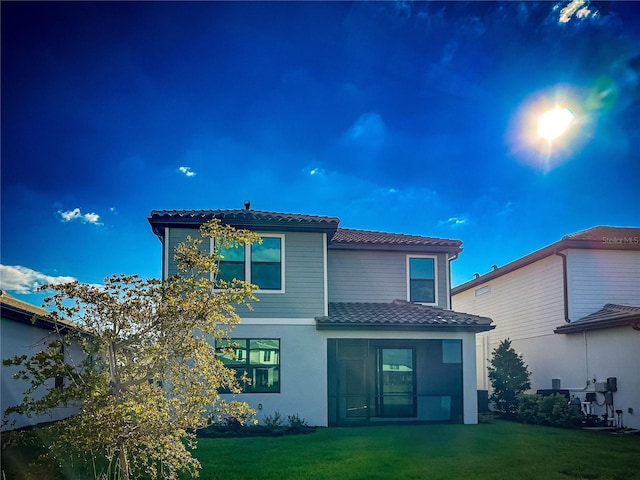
435	278
245	365
248	251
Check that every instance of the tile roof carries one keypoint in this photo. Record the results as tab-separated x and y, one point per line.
607	234
399	315
611	315
341	238
351	238
244	218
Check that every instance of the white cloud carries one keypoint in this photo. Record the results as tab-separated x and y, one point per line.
187	171
313	171
70	215
15	278
368	130
454	222
577	8
76	214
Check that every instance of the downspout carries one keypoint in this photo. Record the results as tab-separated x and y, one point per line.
449	260
565	291
565	288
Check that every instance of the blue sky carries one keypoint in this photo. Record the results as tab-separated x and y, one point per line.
394	116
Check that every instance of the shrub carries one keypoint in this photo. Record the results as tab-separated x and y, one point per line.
274	420
553	410
528	407
295	422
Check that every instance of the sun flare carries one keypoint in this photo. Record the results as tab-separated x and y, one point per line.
553	123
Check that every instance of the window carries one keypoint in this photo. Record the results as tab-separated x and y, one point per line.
452	351
262	264
421	279
266	264
232	264
259	358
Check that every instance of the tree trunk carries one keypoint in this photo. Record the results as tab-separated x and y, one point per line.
124	464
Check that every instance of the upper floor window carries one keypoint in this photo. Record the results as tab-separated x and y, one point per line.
266	263
261	264
421	272
232	264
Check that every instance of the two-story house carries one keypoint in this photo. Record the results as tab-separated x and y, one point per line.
351	326
572	309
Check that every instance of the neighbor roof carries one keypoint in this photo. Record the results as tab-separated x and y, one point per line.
346	238
399	315
243	218
596	238
17	310
611	315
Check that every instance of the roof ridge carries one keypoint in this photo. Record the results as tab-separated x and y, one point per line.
236	210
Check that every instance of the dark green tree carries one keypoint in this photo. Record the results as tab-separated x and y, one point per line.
509	377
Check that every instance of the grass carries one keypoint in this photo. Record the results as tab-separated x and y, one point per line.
499	450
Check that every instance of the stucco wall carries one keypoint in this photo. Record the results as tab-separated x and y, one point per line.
17	339
303	365
526	306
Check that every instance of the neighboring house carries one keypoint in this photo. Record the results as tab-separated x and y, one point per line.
573	310
351	326
25	331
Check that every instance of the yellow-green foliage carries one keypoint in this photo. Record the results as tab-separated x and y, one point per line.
150	377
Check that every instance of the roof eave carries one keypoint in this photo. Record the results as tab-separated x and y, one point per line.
632	321
158	223
27	317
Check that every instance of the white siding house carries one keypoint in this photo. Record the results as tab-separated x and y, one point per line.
572	309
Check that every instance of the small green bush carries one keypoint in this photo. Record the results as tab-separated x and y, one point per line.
553	410
274	421
296	422
528	406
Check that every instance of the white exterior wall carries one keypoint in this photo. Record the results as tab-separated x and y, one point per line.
597	277
303	367
525	305
18	339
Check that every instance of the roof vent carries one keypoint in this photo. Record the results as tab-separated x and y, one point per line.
477	275
247	204
494	267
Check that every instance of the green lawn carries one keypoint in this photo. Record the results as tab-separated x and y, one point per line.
501	450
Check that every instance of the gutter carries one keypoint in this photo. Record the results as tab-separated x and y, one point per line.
565	287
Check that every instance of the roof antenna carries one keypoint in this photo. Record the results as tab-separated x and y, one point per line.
247	204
